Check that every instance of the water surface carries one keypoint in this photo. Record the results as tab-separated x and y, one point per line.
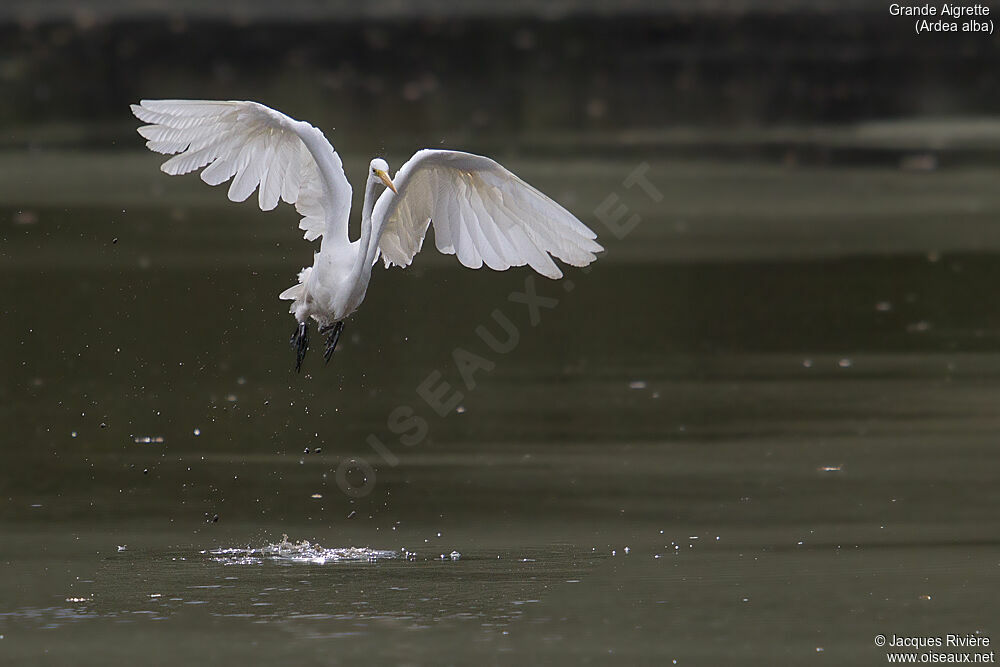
759	430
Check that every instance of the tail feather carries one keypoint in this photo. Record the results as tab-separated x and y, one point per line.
293	293
296	292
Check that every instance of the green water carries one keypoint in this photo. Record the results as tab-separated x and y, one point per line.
760	431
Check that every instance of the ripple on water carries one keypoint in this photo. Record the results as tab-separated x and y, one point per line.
300	552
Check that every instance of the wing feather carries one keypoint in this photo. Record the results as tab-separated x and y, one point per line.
258	148
484	243
481	212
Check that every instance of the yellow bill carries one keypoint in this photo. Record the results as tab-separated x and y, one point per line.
385	179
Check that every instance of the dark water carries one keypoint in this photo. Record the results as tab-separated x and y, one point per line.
757	448
761	430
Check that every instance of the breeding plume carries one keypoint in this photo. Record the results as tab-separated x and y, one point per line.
481	212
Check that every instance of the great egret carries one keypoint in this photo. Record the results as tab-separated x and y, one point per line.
481	212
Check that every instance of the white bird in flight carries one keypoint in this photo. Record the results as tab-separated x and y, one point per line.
481	212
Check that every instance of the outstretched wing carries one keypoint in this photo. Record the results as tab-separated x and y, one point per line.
481	212
280	157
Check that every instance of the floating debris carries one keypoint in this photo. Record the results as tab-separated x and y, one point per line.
830	468
637	384
25	217
149	440
919	162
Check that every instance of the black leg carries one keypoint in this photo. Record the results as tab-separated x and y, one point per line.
331	342
300	341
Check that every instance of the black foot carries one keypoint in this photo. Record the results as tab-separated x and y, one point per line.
300	341
331	342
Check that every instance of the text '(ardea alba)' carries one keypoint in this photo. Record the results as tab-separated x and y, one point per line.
481	212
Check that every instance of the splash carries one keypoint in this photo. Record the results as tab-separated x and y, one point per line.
301	552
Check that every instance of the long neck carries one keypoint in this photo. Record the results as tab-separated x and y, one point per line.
368	244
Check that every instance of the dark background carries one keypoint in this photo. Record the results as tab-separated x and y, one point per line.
779	392
510	72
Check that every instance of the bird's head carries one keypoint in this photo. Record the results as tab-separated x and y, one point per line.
380	170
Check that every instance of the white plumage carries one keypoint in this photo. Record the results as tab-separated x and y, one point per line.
481	212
